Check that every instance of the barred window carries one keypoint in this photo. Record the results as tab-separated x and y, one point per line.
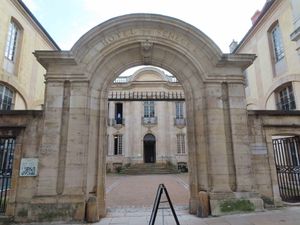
285	98
179	110
180	143
118	145
6	98
12	41
7	146
277	43
149	111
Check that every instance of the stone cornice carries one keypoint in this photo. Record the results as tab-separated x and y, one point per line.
237	60
45	58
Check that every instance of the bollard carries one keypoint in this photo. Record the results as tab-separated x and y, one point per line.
92	214
203	209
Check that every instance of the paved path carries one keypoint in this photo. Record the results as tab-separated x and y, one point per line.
130	198
283	216
139	191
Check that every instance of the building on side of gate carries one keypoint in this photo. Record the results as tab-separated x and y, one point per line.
147	120
273	80
21	76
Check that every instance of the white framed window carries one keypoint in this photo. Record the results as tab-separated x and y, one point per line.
179	110
285	98
149	109
6	98
118	144
180	143
277	43
12	41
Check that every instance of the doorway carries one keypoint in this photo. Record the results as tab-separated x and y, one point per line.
149	148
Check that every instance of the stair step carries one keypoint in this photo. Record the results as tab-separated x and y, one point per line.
155	168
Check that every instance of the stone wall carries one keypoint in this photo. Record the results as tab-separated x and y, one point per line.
26	127
262	126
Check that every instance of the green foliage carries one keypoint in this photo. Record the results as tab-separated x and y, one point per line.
237	205
119	169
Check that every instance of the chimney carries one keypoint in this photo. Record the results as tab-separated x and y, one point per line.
255	16
233	46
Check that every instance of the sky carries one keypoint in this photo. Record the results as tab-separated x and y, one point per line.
222	20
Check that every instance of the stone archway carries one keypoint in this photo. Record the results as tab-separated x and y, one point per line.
72	153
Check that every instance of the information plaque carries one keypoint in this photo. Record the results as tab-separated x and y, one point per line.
28	167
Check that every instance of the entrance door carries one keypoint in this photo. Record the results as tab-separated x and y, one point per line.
287	160
149	148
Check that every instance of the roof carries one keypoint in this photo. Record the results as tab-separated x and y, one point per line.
38	24
265	9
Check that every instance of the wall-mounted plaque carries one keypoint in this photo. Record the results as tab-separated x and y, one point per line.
28	167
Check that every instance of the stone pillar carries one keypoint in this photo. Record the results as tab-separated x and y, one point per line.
50	146
219	169
240	137
76	138
295	36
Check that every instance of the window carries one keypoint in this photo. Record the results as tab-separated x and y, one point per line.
180	144
285	98
277	43
6	98
119	113
179	110
12	41
149	109
118	145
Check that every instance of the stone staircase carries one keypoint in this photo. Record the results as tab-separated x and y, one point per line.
149	168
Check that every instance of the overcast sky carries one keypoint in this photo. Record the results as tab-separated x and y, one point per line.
222	20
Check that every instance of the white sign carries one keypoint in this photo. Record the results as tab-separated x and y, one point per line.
28	167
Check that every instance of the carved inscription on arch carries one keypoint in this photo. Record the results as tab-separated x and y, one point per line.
145	33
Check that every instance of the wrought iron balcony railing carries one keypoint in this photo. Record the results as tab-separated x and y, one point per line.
179	121
149	120
116	122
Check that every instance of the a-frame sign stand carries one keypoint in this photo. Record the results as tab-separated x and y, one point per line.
160	190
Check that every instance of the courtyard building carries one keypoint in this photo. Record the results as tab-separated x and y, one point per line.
146	120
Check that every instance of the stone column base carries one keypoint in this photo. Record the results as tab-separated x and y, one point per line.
234	202
56	208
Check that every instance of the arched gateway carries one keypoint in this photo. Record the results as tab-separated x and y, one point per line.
72	152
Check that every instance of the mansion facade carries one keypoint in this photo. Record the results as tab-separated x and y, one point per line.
146	120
